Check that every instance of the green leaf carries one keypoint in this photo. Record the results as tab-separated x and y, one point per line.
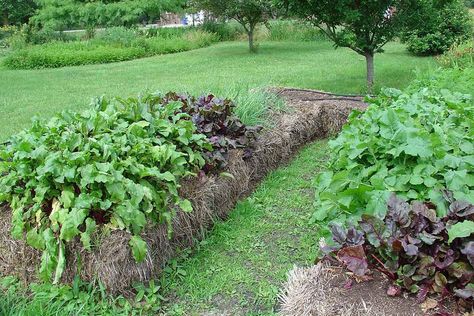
139	248
70	227
67	197
86	235
35	239
185	205
460	230
61	263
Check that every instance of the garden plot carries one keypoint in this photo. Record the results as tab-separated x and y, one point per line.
316	116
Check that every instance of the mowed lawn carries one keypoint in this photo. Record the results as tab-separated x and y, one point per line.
316	65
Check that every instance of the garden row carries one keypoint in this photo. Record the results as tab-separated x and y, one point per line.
117	166
403	172
114	191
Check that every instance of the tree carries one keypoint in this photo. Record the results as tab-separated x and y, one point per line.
248	13
60	14
431	27
364	26
15	12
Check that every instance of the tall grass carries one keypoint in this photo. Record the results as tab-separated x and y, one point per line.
253	105
112	46
292	30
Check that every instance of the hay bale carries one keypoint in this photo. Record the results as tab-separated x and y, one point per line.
320	290
212	198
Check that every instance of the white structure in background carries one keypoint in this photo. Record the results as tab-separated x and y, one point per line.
194	19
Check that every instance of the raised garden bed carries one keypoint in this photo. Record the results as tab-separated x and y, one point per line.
311	115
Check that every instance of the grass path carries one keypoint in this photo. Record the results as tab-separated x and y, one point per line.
28	93
240	267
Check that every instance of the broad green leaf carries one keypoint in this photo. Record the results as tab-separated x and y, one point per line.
67	197
460	230
35	239
185	205
139	248
86	235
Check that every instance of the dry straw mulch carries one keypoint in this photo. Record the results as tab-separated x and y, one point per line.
311	115
320	291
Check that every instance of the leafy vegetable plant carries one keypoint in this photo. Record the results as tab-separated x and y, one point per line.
214	118
117	164
414	144
417	250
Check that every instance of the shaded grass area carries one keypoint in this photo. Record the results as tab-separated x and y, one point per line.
28	93
239	268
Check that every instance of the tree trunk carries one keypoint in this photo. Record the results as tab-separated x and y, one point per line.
5	20
369	57
251	40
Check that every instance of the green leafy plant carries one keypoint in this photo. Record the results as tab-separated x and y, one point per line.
414	144
417	250
117	164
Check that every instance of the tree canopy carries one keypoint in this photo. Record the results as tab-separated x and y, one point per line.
15	12
249	13
364	26
60	14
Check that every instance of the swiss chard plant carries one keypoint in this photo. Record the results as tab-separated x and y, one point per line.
414	144
419	251
215	118
117	164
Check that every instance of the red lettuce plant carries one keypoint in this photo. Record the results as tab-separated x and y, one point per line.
417	250
214	118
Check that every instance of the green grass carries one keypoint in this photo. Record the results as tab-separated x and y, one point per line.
28	93
239	268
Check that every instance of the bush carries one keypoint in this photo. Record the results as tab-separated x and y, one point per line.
436	26
116	45
119	36
458	56
288	30
225	31
115	166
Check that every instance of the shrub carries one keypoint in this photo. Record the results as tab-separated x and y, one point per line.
225	31
458	56
116	45
288	30
119	35
415	249
436	26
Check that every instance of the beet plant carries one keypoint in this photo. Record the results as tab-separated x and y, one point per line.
415	249
115	166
